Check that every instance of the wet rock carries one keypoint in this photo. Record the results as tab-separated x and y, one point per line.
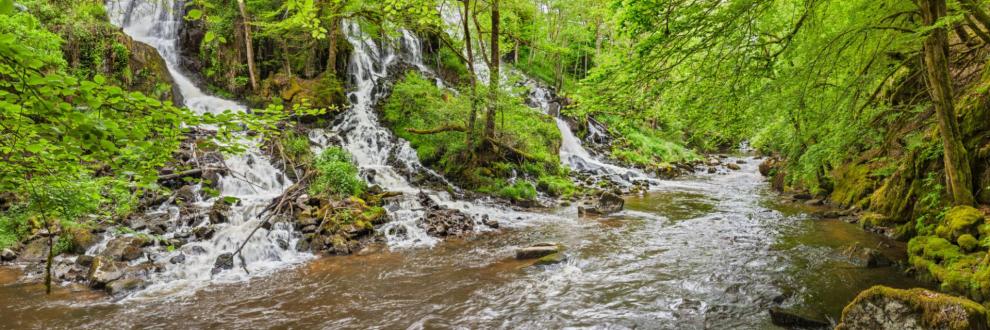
224	262
282	243
124	286
220	211
538	251
8	255
194	250
866	257
441	221
124	248
104	270
740	161
82	239
34	251
712	170
550	259
204	232
179	259
488	221
733	166
85	261
713	162
607	203
767	166
187	194
309	229
157	223
303	245
881	307
787	319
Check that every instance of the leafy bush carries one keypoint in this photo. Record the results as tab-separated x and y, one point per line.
337	176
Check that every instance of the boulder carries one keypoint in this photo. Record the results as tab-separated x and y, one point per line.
488	221
538	251
34	251
124	286
204	232
607	203
551	259
82	239
8	255
790	320
767	166
733	166
224	262
124	248
441	221
220	211
187	194
882	307
104	270
866	257
178	259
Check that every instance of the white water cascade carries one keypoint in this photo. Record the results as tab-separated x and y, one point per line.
251	177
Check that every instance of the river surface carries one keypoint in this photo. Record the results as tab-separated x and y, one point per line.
711	251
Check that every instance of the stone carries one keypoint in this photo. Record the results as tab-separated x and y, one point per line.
34	251
712	170
488	221
767	166
814	202
733	166
786	319
441	221
84	261
607	203
8	255
309	229
204	232
104	270
187	194
220	211
282	243
82	239
802	197
537	251
224	262
882	307
178	259
125	248
866	257
124	286
551	259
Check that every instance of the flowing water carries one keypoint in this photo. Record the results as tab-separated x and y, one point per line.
711	252
251	178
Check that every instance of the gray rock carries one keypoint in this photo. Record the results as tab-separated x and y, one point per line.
224	262
105	270
881	307
203	233
866	257
8	255
84	261
35	251
186	194
220	211
179	259
124	248
607	203
537	251
124	286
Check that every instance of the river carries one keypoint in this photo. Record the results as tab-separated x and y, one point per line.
707	251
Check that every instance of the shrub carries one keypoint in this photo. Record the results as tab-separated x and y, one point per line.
337	176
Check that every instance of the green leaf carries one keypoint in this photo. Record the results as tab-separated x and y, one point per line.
194	14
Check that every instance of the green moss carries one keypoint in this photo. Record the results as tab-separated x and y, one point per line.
852	184
967	242
557	186
938	311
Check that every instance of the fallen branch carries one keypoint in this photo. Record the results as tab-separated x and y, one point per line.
441	129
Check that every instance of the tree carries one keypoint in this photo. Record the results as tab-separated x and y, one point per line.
493	75
248	44
958	173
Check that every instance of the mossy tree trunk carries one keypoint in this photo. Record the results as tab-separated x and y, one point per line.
470	64
493	76
958	173
248	44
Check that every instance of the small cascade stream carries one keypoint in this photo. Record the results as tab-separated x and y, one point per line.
251	178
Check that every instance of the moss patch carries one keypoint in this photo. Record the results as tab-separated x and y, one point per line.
933	310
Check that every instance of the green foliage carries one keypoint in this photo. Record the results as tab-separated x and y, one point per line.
337	176
416	104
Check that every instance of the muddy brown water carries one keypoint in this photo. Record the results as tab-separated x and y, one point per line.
705	252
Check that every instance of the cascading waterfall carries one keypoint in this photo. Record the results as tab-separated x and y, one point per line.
251	178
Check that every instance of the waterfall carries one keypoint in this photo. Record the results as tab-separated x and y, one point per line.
252	177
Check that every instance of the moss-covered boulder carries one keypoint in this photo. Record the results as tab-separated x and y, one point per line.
886	308
960	220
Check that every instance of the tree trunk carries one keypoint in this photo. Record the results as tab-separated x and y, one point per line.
248	44
50	259
974	8
470	64
936	51
493	76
